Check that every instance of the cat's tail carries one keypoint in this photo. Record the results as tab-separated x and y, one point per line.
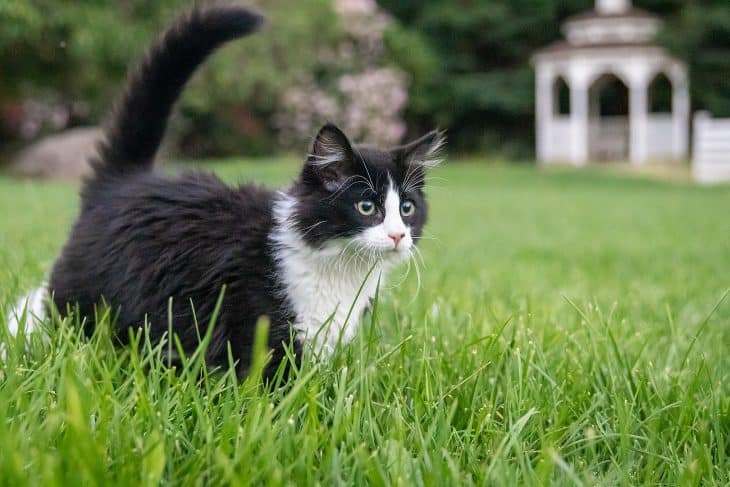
138	123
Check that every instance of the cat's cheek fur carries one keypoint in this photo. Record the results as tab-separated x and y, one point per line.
376	239
327	290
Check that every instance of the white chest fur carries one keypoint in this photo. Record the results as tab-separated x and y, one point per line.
327	288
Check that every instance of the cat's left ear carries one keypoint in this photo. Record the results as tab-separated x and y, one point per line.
332	156
425	152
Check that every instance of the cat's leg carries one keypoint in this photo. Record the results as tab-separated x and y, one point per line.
28	311
27	315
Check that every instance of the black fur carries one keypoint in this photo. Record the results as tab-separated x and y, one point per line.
348	180
142	238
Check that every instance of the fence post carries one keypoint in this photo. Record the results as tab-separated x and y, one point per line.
710	149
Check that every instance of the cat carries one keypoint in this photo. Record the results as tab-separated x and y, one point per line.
308	257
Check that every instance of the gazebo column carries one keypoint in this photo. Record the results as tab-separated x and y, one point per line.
578	79
544	115
638	114
680	112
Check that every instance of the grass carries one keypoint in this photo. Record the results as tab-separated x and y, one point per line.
570	329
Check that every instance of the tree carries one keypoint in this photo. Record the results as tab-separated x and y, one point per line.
73	56
700	34
469	61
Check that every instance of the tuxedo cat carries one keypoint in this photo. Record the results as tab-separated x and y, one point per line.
308	257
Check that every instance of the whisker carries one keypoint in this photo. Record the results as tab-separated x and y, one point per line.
343	265
367	171
312	227
420	256
415	184
340	190
436	240
357	254
407	177
404	277
347	184
418	279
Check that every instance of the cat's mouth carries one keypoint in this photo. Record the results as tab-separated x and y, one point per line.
361	248
392	252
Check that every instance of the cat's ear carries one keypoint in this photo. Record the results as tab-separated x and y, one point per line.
332	157
425	152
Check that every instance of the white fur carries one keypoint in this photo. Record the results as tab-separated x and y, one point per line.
433	156
329	287
28	311
333	152
326	160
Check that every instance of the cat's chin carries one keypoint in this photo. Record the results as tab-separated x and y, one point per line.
386	256
393	256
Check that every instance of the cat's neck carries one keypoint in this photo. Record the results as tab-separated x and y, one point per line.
328	288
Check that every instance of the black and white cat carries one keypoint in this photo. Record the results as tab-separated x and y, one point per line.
307	256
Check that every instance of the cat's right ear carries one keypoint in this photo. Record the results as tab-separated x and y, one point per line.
424	152
332	157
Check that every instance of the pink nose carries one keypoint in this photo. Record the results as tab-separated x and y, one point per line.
396	237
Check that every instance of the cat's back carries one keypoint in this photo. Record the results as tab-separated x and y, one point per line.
142	238
187	191
165	210
160	206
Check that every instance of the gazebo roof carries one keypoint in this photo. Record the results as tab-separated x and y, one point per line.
566	47
613	24
631	12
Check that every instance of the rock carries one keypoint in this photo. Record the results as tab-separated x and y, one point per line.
60	156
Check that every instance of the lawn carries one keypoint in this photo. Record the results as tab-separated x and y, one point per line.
569	328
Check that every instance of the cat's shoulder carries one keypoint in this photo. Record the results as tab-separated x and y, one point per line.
210	184
253	201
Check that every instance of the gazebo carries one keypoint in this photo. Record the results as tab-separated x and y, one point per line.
608	93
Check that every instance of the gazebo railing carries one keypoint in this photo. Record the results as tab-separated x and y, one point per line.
711	149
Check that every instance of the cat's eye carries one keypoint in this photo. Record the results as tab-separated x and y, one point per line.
407	208
365	207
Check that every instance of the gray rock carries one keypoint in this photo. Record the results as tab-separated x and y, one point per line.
60	156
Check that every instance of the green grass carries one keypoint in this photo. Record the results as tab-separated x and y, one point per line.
570	329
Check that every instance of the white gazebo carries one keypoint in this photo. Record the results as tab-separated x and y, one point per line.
607	93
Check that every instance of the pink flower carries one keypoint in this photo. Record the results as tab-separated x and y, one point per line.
366	99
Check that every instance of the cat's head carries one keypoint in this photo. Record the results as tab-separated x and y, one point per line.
368	200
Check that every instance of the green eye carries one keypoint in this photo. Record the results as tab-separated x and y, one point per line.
365	207
407	208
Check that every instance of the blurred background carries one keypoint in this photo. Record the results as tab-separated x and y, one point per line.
384	70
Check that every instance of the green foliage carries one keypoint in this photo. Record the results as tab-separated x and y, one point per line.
65	52
78	50
558	337
701	35
229	106
470	61
471	71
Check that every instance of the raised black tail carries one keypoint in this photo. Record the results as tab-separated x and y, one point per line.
137	125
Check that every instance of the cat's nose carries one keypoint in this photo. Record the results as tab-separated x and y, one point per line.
396	237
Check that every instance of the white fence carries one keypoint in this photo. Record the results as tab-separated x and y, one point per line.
711	149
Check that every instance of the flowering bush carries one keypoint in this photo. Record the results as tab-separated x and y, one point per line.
353	88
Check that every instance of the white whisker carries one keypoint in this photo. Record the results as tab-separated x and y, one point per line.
312	227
